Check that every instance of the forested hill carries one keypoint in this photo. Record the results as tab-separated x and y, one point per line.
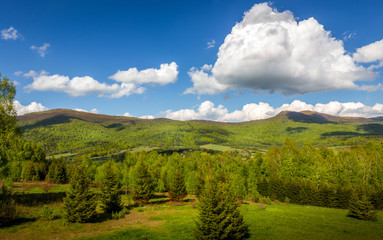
64	130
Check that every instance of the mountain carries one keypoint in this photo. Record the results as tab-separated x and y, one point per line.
63	130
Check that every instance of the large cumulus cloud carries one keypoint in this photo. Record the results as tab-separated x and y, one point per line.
272	51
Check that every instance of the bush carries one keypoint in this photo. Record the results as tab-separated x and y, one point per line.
46	213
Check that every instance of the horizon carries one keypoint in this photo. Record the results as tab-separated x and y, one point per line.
175	60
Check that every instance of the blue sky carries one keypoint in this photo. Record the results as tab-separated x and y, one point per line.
163	58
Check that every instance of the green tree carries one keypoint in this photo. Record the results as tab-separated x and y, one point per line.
110	191
80	203
219	216
362	208
177	190
142	182
10	134
58	171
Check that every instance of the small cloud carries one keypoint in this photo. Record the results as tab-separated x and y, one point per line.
210	44
10	33
167	73
18	73
127	114
32	107
348	35
95	110
80	110
147	117
42	50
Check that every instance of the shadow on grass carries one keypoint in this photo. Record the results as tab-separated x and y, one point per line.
32	199
17	221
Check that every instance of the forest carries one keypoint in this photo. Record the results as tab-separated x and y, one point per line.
96	174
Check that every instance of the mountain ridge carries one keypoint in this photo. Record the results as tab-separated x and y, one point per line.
309	116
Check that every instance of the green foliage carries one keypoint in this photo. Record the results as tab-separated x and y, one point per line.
48	214
219	216
7	206
110	190
177	190
10	134
58	171
34	171
362	209
80	203
142	183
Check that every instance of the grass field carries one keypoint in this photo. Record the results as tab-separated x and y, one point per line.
163	220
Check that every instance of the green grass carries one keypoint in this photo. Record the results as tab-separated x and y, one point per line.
169	221
266	222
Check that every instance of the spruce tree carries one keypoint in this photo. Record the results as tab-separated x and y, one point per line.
143	184
110	192
177	190
80	203
362	208
219	216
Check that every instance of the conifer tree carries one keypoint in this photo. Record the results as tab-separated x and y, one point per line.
143	184
219	216
80	203
362	208
110	192
177	190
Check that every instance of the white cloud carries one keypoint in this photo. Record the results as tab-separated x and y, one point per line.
255	111
42	50
80	110
79	86
130	82
147	117
94	110
32	107
127	114
269	50
370	53
210	44
167	73
10	33
18	73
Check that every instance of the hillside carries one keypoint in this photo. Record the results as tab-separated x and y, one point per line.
64	130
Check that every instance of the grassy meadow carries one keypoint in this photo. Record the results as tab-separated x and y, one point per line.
162	219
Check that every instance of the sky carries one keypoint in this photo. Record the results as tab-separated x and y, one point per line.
218	60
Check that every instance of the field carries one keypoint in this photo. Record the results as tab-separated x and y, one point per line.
161	219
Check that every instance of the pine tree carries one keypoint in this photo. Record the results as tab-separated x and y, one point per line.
362	208
178	188
80	203
143	184
219	216
110	192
